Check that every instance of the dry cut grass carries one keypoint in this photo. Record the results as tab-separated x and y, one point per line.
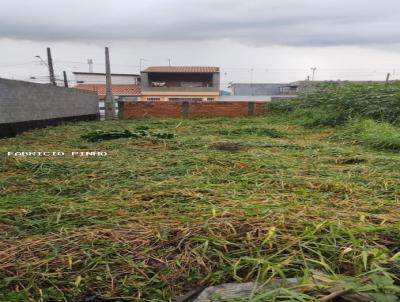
224	200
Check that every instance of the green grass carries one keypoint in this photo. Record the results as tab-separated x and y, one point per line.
159	217
373	134
333	104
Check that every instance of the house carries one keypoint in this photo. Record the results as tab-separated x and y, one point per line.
100	78
123	85
177	83
294	88
119	91
254	92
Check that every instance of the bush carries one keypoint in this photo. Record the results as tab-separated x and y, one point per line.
317	117
284	106
373	134
335	103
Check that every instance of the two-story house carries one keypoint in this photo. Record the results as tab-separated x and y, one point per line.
180	83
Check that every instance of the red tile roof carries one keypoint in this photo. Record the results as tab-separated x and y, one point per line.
182	69
117	89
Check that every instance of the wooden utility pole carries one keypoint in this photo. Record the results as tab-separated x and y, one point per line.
387	78
65	78
313	72
109	102
51	69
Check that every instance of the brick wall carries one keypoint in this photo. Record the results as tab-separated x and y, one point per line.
141	109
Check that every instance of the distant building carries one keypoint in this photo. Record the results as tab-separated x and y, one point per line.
245	98
100	78
297	87
256	89
124	86
272	90
119	91
176	83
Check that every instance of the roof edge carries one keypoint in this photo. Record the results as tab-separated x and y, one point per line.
101	73
164	69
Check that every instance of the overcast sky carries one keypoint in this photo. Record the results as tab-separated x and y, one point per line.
258	40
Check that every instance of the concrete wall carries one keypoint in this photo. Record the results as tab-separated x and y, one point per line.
245	98
260	89
129	110
28	105
216	80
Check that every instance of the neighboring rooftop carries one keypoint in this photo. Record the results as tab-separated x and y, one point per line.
182	69
103	74
116	89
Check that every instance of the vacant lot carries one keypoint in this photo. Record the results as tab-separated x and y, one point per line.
224	200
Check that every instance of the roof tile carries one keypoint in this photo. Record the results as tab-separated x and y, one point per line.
116	89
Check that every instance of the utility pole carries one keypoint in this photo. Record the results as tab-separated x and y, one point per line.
90	62
109	102
313	72
387	78
169	61
251	80
51	69
65	78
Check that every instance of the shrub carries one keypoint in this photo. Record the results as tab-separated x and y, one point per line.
373	134
335	103
315	117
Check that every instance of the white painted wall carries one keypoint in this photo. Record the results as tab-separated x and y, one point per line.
101	79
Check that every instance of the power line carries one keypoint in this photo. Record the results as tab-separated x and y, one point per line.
18	64
229	68
85	63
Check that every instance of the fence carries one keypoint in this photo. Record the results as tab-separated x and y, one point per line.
184	109
25	105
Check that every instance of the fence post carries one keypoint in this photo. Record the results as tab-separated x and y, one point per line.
250	109
185	109
121	110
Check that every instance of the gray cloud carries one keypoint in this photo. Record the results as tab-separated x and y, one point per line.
256	22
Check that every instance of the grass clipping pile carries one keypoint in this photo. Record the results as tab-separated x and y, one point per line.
101	135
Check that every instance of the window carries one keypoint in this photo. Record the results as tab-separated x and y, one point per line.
153	99
210	99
